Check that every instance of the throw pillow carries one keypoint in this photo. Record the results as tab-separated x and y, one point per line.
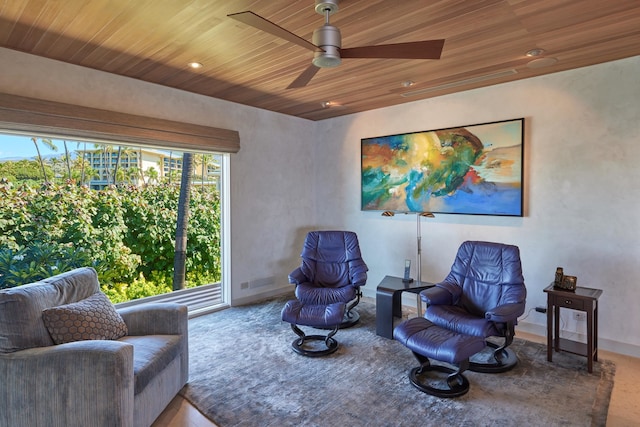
93	318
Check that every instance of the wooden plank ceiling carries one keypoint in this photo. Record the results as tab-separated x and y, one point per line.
485	44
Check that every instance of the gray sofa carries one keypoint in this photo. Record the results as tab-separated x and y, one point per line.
97	382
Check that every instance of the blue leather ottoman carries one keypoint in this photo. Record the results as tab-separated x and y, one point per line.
427	340
316	316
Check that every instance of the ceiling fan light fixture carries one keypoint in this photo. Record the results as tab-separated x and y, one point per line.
328	39
327	59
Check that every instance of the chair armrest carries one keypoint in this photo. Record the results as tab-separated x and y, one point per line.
156	319
297	277
441	294
358	273
505	313
93	380
359	279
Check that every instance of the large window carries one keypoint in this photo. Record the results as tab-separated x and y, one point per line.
67	203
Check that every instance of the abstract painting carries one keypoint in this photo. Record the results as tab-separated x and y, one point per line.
475	170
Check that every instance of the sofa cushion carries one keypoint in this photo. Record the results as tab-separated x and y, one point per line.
93	318
21	324
151	355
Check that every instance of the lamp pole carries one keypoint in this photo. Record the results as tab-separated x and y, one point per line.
419	260
419	249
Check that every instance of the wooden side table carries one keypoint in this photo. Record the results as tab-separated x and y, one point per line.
583	299
389	303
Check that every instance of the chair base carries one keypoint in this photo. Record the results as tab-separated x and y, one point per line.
298	346
456	383
496	361
350	318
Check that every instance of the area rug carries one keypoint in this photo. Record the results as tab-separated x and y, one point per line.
244	373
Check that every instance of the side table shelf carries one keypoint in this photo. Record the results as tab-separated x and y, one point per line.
583	299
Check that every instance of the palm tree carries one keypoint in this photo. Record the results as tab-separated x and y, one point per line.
152	174
115	171
68	160
180	256
139	161
84	154
105	160
48	143
203	162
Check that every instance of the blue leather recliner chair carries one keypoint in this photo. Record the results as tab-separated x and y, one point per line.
332	271
474	309
483	296
327	289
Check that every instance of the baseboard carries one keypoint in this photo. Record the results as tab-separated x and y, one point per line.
251	299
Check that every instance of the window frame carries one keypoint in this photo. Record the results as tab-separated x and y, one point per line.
49	119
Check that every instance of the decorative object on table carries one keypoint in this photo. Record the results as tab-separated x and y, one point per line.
559	276
563	282
418	247
474	169
332	271
569	283
407	272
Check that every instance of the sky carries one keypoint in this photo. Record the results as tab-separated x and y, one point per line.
21	146
12	146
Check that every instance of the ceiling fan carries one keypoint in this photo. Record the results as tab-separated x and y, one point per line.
327	43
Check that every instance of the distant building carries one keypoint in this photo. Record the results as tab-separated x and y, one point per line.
156	166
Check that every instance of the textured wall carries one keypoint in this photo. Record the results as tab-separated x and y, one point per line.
581	164
582	188
271	189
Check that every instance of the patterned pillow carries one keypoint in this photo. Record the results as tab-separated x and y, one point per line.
93	318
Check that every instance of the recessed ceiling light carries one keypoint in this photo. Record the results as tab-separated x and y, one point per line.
327	104
408	83
535	52
195	65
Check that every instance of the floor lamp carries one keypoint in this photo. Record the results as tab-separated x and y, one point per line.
418	246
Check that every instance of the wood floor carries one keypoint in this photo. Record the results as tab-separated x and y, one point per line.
624	410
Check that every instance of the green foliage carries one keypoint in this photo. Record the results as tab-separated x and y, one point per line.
137	288
125	232
38	261
23	172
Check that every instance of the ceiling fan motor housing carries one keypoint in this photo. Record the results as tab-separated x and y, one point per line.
328	39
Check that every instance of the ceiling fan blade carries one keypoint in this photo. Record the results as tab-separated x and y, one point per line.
267	26
304	78
428	49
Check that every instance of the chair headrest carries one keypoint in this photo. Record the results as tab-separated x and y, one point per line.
483	259
331	246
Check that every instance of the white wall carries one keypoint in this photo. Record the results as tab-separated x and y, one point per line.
582	189
271	187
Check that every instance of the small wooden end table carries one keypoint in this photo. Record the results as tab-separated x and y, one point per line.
389	302
582	299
